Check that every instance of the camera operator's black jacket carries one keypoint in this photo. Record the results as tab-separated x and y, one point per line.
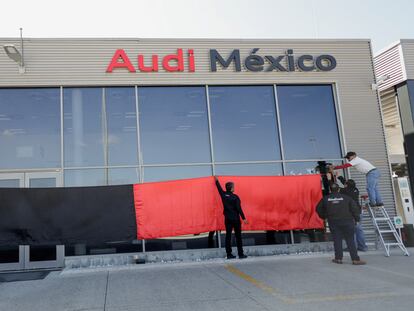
337	206
231	203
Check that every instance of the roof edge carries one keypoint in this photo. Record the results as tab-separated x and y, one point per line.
191	39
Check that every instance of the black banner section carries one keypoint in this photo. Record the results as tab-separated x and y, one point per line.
92	215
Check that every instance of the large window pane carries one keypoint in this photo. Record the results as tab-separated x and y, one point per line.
121	125
85	177
83	127
244	123
266	169
174	125
176	172
29	128
121	176
308	122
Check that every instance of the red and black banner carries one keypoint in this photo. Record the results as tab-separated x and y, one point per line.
153	210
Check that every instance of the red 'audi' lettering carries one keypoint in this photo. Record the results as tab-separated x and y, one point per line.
171	62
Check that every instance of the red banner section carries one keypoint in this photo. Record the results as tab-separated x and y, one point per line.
191	206
278	202
173	208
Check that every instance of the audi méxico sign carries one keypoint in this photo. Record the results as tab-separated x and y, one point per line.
253	62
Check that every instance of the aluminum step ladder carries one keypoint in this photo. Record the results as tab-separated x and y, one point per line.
384	225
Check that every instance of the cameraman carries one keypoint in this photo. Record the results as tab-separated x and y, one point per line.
342	213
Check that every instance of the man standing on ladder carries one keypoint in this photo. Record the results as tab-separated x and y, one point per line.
371	172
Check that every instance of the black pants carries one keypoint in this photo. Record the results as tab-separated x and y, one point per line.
236	225
210	240
343	229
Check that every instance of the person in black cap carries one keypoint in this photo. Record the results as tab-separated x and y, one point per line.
371	172
232	213
342	214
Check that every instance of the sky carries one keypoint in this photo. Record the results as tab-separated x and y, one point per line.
383	21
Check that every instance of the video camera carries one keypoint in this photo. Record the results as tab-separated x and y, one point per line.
322	168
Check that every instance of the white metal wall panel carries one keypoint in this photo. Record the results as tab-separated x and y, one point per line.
82	62
390	62
392	123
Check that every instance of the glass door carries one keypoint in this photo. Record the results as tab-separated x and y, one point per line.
11	180
43	256
43	180
24	256
11	257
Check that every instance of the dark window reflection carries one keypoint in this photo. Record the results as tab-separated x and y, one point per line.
29	128
121	126
83	126
308	122
174	125
244	123
267	169
176	172
410	85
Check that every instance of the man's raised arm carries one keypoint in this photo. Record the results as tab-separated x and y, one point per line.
220	190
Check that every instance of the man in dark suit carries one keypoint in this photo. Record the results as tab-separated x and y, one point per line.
232	213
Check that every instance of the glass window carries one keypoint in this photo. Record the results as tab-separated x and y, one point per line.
190	241
308	122
300	168
174	125
9	183
176	172
121	125
42	182
306	168
85	177
121	176
83	126
29	128
266	169
244	123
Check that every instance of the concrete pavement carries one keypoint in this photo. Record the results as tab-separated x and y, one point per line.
294	282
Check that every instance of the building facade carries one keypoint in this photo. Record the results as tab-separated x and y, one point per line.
85	112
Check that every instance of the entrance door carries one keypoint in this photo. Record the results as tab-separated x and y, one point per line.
43	180
11	257
31	180
12	180
24	256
